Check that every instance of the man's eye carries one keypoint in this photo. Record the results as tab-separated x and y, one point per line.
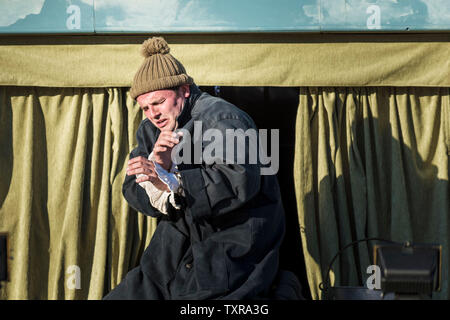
145	108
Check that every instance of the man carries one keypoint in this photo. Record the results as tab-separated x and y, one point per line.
220	224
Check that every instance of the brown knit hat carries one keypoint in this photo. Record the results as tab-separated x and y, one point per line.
160	69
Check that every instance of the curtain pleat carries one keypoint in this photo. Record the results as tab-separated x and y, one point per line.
63	157
370	162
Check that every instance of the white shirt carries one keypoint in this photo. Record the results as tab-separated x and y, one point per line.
160	199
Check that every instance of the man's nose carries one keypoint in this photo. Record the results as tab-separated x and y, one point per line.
154	111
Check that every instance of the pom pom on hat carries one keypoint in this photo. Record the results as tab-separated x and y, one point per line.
154	46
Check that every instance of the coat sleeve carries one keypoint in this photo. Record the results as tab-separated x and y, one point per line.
136	195
212	191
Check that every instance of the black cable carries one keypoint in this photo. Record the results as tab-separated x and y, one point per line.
323	286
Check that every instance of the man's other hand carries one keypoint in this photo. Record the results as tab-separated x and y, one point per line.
141	165
163	148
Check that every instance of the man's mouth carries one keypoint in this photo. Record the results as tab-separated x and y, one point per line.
161	123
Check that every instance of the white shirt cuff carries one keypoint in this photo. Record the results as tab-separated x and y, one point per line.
169	178
160	199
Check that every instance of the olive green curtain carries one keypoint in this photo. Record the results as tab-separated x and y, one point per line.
63	153
370	162
279	59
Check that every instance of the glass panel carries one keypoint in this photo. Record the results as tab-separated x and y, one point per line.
47	16
139	16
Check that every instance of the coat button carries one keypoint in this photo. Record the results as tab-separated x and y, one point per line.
188	265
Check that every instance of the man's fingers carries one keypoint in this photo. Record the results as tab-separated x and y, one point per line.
167	141
140	170
137	165
158	149
132	168
146	178
137	159
165	145
140	166
171	134
142	179
168	135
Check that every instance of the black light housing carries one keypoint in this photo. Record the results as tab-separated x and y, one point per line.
409	269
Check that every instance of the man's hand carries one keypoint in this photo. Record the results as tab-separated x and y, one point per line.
141	165
163	148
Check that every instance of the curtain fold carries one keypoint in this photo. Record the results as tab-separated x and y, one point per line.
370	162
63	156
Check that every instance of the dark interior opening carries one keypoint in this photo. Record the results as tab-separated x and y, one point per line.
276	108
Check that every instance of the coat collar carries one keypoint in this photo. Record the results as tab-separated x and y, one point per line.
186	113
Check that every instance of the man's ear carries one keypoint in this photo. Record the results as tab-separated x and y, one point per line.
185	90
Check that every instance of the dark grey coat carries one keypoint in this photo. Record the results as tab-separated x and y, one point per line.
224	242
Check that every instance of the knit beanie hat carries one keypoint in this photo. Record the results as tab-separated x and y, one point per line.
160	70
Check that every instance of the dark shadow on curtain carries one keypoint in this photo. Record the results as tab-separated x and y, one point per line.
6	155
39	237
86	214
136	246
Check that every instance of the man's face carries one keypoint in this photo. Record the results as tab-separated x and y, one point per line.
162	107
